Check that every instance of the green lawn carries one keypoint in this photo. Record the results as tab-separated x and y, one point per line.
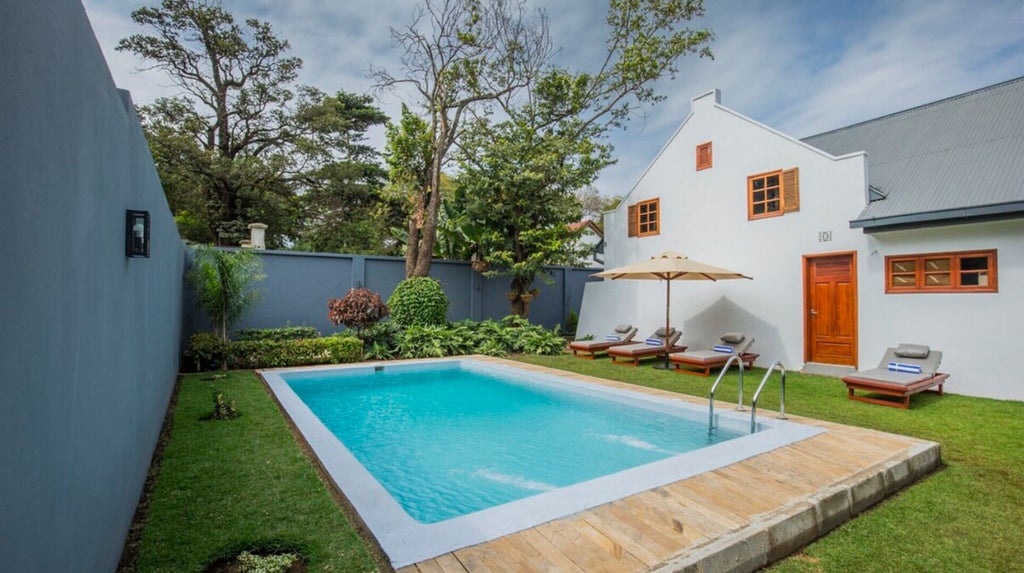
228	486
965	517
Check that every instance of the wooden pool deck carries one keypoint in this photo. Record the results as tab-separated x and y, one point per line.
737	518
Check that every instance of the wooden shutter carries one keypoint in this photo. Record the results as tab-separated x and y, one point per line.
704	156
791	190
631	227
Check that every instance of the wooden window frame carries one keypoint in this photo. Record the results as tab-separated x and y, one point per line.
649	227
920	273
750	196
706	148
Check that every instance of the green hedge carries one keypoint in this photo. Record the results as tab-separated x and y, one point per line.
285	333
207	349
301	352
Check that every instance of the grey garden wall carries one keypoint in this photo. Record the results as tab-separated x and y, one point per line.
88	338
298	286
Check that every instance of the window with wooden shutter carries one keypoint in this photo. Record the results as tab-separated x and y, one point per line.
791	190
774	193
648	218
704	156
764	195
631	225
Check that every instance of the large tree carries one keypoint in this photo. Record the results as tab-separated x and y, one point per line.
242	139
516	187
521	175
463	58
459	56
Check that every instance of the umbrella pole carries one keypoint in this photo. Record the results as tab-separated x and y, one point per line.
668	303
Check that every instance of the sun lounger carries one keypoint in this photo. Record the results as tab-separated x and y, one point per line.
903	372
623	334
729	345
653	345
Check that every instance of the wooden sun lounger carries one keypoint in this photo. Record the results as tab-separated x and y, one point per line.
901	391
736	343
900	385
703	367
590	348
633	353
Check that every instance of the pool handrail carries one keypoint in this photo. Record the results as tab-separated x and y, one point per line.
711	399
782	394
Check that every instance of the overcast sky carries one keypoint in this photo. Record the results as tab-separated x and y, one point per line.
801	67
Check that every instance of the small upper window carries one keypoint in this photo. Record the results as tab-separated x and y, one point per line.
648	214
704	156
967	271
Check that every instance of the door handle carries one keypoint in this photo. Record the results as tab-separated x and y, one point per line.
814	312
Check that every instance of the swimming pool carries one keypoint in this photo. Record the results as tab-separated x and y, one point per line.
430	453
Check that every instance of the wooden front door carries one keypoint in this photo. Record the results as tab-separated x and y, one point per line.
830	308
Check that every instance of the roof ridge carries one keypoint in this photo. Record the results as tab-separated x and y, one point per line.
916	108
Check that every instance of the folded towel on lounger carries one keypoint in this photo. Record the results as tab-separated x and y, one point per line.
722	348
901	367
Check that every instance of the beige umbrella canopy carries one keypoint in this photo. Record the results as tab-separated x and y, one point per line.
670	266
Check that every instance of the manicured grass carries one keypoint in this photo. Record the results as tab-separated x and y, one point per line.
965	517
228	486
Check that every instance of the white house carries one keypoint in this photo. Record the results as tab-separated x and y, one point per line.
906	228
590	238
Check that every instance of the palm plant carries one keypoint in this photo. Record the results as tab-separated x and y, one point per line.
222	281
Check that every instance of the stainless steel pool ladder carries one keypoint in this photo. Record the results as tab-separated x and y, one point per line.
711	401
782	394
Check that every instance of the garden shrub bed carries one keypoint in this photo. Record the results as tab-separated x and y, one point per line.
209	350
299	352
283	333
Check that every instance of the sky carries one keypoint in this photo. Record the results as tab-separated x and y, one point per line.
801	67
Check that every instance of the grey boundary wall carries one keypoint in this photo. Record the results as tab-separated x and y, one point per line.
298	285
89	339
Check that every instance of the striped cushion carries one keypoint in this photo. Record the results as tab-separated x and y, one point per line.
722	348
612	338
655	342
901	367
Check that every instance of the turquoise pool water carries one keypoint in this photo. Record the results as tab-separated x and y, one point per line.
446	440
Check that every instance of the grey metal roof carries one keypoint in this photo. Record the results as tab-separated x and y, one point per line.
957	160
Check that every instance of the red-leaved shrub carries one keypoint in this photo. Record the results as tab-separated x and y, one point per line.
360	309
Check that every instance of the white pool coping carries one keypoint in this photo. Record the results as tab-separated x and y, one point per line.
407	541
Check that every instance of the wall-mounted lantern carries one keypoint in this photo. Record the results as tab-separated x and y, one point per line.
136	238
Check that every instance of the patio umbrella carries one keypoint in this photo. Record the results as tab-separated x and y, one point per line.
670	266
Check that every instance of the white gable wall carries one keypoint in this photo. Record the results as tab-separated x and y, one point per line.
704	216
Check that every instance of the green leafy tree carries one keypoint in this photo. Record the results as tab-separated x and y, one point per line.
223	284
242	140
517	184
459	56
344	207
521	175
464	57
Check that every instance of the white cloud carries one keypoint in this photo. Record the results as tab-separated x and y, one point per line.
801	66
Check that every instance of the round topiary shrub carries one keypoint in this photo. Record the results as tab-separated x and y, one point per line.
418	301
